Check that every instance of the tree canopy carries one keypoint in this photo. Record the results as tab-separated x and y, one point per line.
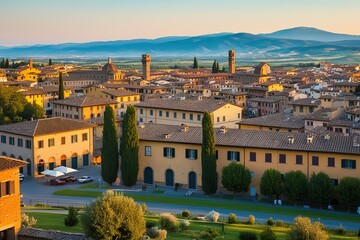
320	188
236	178
61	87
195	64
296	185
349	192
270	183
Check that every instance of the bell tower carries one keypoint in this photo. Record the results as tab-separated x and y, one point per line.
231	61
145	60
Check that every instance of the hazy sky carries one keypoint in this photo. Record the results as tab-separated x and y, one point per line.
59	21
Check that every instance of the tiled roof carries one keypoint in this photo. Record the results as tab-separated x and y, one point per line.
119	92
279	120
205	105
35	233
85	101
265	100
45	126
10	163
249	138
307	102
321	114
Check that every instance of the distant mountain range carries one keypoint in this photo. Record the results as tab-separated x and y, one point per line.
294	43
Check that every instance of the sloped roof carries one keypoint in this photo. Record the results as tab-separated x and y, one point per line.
10	163
85	101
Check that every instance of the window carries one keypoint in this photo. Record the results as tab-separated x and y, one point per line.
40	144
141	111
268	157
3	139
191	153
147	150
218	119
315	161
20	142
252	156
282	158
184	115
334	182
73	138
11	140
28	144
299	159
224	118
169	152
191	116
199	117
160	113
348	163
331	162
239	115
167	114
51	142
7	188
233	156
301	109
84	137
151	112
216	154
63	141
175	114
252	174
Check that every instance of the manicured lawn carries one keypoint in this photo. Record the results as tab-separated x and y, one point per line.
219	204
231	232
93	185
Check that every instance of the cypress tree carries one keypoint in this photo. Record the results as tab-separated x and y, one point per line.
109	151
50	62
129	148
61	87
6	63
2	63
223	69
217	67
213	70
208	156
195	65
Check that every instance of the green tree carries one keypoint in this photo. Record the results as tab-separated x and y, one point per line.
236	178
2	63
109	151
223	69
12	105
50	62
296	186
357	90
320	188
304	229
213	69
7	63
195	65
113	216
61	87
32	111
129	147
208	156
217	67
71	218
270	183
349	192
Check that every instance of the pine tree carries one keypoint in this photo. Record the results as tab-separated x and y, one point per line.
6	63
213	70
195	65
129	148
61	87
223	69
50	62
208	156
217	67
109	151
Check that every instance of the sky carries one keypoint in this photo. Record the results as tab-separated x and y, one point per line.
25	22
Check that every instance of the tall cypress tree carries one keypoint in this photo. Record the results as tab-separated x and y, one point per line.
50	62
2	63
109	151
195	65
213	70
61	87
208	156
7	63
129	148
217	67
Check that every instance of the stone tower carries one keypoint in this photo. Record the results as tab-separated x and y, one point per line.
30	63
231	61
146	59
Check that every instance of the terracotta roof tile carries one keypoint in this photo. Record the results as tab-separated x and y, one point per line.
10	163
85	101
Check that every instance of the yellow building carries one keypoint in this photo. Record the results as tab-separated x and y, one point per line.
271	86
48	143
51	93
304	106
25	73
172	154
82	107
188	111
33	95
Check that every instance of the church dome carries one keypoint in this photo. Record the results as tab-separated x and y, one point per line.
109	67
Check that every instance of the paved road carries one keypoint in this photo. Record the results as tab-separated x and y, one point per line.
37	191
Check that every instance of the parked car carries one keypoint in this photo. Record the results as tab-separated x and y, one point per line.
21	177
57	182
68	179
85	179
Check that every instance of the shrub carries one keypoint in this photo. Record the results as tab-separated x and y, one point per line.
150	224
185	214
248	236
153	232
113	216
27	221
232	218
304	229
212	216
209	234
143	207
279	223
72	218
268	234
162	234
168	222
184	225
270	221
42	205
251	220
340	230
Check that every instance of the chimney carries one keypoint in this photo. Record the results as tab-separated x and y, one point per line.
167	135
184	127
309	138
327	136
223	129
291	139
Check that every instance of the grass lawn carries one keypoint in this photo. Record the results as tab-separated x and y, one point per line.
94	185
219	204
56	222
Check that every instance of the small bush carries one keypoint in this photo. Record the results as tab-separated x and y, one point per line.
209	234
168	222
27	221
212	216
162	234
251	220
185	214
340	230
42	205
248	236
72	218
153	232
184	225
304	229
143	207
268	234
270	221
232	218
279	223
150	224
